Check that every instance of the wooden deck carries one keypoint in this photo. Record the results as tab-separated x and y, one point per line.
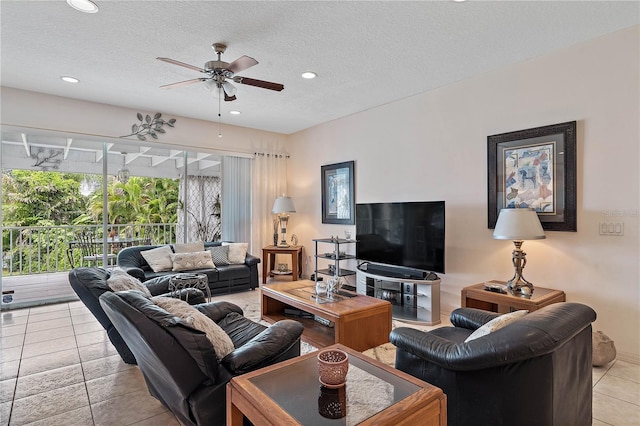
37	289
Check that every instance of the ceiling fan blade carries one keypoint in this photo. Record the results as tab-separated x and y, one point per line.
242	63
183	83
182	64
258	83
228	98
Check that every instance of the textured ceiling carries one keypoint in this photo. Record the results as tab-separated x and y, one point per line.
366	54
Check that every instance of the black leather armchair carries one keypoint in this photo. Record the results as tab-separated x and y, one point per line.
90	283
535	371
179	363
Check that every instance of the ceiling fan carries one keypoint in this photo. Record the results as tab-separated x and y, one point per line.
219	74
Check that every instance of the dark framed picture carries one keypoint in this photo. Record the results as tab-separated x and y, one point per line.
338	201
535	168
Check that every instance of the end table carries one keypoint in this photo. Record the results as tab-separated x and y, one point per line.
269	261
476	296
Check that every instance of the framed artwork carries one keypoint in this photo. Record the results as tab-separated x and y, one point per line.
338	201
535	168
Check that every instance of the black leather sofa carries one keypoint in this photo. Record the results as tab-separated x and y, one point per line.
179	363
90	283
222	279
535	371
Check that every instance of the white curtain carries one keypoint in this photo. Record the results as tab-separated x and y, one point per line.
236	199
269	182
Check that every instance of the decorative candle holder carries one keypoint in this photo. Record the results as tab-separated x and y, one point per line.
333	365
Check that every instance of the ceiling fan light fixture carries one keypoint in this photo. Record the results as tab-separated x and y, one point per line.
69	79
86	6
309	75
211	86
229	88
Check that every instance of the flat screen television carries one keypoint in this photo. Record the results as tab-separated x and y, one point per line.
409	234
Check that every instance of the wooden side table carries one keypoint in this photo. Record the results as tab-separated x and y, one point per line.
476	296
269	261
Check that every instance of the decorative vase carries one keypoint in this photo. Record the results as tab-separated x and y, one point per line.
321	288
333	365
275	238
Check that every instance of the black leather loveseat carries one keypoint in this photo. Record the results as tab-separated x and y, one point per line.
222	279
179	364
535	371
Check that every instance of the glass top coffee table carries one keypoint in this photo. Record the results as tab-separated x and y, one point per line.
290	393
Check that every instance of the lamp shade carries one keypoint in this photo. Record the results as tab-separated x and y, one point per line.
518	224
283	205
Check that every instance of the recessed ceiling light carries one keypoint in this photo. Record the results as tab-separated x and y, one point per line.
309	74
234	112
69	79
86	6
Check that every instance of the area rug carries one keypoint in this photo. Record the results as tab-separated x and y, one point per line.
249	301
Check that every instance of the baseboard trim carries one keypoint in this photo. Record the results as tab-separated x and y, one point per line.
628	357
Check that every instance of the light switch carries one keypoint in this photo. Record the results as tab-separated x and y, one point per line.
611	228
603	228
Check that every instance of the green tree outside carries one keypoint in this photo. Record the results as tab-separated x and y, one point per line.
52	199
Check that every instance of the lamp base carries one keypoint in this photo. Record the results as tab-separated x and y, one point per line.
518	285
283	244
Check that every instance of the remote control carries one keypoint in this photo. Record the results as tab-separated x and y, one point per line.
496	288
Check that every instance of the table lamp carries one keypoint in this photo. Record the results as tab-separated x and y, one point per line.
281	207
518	225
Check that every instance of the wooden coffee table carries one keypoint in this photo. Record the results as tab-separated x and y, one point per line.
288	393
360	322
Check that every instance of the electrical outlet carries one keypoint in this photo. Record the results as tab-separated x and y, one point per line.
611	228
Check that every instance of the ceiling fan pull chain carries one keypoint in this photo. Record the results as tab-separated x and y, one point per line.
219	106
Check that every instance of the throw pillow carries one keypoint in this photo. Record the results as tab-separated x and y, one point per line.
496	324
237	252
190	261
188	247
120	281
159	259
220	255
220	340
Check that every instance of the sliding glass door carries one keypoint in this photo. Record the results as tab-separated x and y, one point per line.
71	201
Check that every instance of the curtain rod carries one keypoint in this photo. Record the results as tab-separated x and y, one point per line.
267	154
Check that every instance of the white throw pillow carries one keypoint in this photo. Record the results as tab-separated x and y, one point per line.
188	247
496	324
159	259
190	261
220	340
237	252
120	281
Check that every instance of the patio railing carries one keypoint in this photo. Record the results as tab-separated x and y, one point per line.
40	249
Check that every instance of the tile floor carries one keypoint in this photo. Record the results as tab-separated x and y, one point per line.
57	367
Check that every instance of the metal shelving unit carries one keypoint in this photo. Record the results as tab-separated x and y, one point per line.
334	257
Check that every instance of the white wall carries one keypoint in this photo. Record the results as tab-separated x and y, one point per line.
36	110
434	147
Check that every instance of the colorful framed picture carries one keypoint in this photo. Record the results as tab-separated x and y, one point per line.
338	201
534	168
